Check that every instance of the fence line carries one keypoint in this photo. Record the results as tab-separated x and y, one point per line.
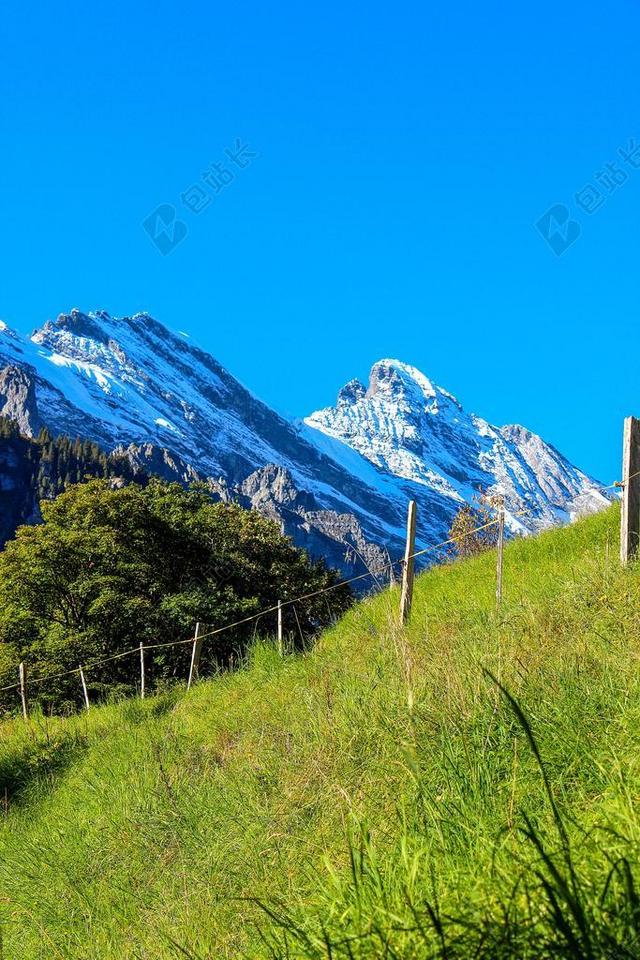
254	616
406	562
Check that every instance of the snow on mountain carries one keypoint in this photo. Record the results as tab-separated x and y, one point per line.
141	383
412	429
339	482
129	380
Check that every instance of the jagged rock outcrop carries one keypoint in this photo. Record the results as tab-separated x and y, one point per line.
155	461
351	392
18	399
338	537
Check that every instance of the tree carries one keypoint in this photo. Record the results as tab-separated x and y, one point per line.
43	467
468	539
110	567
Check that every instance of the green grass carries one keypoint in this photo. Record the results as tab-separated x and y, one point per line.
381	796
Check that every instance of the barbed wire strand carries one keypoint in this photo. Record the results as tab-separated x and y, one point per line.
91	665
284	603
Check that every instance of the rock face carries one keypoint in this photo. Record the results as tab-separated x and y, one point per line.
338	483
146	459
18	399
337	537
18	502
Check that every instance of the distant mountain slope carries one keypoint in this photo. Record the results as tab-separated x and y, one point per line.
338	482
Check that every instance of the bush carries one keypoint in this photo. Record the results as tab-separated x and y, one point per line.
469	529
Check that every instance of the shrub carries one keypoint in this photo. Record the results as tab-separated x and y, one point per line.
469	529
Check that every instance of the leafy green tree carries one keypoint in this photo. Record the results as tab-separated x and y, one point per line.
112	566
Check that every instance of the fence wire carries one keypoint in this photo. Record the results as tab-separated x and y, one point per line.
284	603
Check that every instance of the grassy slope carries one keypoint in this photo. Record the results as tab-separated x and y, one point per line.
354	790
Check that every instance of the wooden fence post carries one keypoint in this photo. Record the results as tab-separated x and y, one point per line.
141	670
500	552
408	565
630	514
23	691
280	638
84	689
195	657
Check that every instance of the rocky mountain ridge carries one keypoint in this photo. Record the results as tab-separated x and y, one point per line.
338	482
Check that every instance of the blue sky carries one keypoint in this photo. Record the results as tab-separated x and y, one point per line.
405	153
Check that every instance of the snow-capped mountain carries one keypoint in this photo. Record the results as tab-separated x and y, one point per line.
339	482
131	383
414	430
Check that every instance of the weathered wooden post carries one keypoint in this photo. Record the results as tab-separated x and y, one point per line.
141	670
195	656
630	514
500	559
280	637
23	691
84	689
408	565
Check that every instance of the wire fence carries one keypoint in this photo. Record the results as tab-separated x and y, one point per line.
385	567
401	562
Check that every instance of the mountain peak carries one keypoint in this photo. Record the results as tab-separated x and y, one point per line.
87	325
351	392
393	376
393	380
398	380
409	427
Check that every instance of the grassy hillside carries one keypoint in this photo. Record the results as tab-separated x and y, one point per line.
379	797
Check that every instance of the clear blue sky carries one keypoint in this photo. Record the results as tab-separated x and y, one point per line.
405	154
